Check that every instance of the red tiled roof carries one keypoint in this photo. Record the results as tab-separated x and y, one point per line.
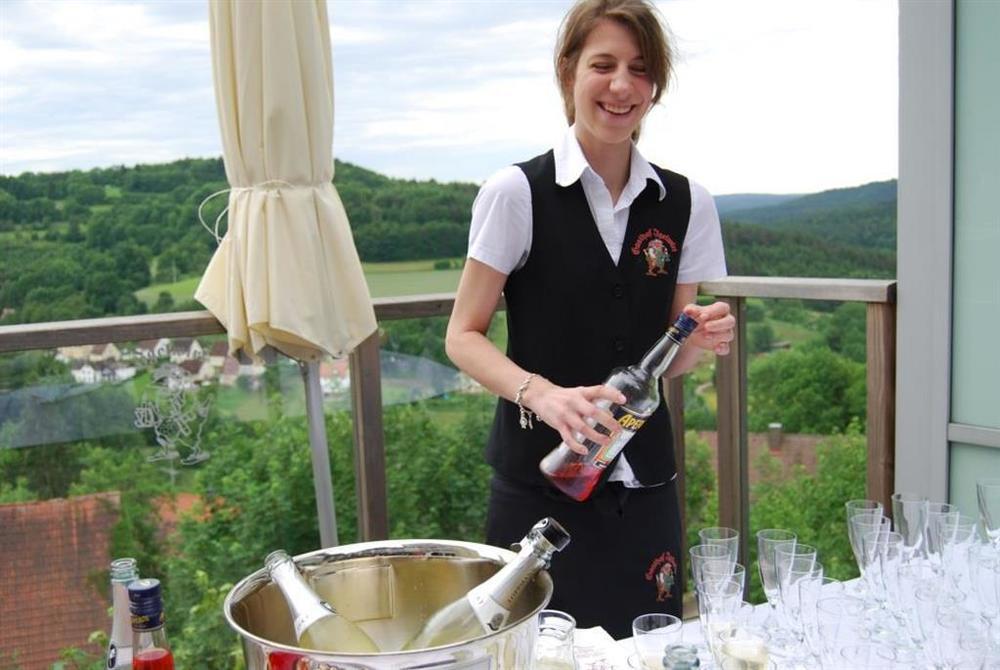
53	554
219	349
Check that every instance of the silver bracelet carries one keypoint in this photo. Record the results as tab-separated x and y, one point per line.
526	414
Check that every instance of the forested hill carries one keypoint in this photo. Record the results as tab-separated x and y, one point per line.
79	244
863	216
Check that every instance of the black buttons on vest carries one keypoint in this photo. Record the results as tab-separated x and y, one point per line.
618	291
619	344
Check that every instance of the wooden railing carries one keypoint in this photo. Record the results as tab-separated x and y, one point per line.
731	382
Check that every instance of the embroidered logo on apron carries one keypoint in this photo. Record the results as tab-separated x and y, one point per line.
657	248
662	571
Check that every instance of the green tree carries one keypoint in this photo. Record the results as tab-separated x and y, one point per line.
809	389
164	302
761	337
846	332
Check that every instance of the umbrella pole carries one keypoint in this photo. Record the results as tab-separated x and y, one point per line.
320	454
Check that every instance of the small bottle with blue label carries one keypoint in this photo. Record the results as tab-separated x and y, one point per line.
150	650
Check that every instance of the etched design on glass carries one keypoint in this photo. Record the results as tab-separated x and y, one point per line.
176	414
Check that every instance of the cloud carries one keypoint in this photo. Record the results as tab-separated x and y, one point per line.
770	95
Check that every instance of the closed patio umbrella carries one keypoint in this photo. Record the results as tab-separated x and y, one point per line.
286	274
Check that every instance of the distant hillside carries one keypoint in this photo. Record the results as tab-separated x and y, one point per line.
755	251
83	243
863	216
735	202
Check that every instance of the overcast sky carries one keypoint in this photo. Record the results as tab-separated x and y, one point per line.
770	95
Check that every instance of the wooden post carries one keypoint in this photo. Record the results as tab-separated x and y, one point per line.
731	385
369	440
881	409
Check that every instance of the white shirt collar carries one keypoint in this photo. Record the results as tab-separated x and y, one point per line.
571	164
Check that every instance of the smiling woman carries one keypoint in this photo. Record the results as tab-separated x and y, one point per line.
590	228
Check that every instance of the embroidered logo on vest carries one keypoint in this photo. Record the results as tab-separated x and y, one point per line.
657	248
662	571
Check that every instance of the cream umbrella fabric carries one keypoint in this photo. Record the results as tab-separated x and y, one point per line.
286	273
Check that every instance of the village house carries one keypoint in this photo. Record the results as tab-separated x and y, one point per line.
152	350
104	352
185	349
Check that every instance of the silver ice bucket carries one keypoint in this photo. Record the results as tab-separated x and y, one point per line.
389	588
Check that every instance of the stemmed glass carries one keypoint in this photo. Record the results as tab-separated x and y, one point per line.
862	525
722	536
909	519
837	619
934	606
912	578
717	558
811	589
793	563
721	609
936	514
767	541
958	534
984	568
715	574
988	494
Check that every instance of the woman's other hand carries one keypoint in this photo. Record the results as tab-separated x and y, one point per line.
716	327
574	411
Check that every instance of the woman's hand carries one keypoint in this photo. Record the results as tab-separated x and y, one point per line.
568	410
716	327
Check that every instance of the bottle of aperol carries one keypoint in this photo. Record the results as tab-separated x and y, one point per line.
575	474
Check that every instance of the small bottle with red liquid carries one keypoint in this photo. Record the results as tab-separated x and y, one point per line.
575	474
150	650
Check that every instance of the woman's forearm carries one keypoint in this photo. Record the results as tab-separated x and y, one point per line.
475	355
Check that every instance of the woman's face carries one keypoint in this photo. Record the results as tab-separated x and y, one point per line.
611	90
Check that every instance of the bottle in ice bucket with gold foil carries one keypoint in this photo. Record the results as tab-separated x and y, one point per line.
575	474
486	608
317	625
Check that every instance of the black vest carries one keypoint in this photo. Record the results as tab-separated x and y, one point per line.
573	315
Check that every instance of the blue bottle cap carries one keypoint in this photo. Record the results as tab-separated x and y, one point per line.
685	324
146	604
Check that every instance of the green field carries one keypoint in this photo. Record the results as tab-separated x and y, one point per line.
181	291
384	280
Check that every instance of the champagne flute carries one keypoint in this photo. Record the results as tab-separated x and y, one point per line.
837	622
767	540
860	516
860	506
720	608
811	589
792	561
985	578
715	574
988	495
936	513
913	577
931	601
714	555
863	525
793	569
909	519
723	536
957	535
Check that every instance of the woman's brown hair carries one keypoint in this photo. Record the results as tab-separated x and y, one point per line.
640	17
